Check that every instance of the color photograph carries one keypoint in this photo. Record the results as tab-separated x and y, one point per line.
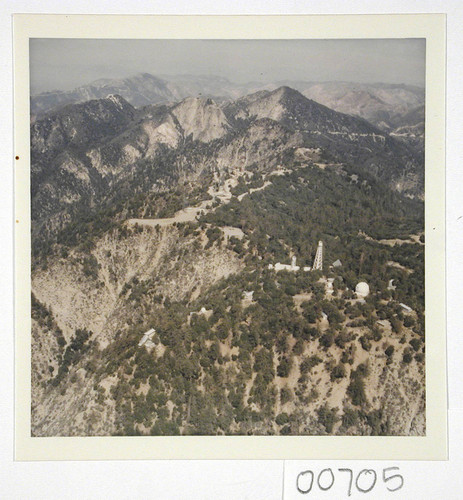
227	237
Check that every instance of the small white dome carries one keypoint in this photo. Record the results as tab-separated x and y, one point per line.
362	289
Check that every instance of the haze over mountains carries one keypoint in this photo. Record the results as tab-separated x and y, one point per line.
381	104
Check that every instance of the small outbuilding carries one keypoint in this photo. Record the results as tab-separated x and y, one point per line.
405	307
146	339
383	322
391	285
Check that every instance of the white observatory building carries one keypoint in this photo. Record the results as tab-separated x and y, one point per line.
362	289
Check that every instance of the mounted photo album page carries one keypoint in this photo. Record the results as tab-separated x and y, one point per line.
230	237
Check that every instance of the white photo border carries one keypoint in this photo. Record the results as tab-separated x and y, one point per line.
432	446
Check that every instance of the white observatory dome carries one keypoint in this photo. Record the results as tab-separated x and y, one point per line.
362	289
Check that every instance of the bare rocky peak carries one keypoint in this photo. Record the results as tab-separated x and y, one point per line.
269	105
201	118
291	108
117	100
140	89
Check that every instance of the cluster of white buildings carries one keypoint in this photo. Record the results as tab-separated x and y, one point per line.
288	267
317	265
362	289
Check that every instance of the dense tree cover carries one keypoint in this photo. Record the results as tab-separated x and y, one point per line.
227	372
209	390
310	204
87	224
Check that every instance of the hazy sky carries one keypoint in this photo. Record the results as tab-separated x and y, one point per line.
68	63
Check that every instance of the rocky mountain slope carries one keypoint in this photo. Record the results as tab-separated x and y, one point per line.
89	153
238	348
410	127
380	104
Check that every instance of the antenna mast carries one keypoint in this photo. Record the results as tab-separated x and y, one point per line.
318	262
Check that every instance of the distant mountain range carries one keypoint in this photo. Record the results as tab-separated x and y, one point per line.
383	105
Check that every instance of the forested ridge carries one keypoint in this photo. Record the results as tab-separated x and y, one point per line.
238	347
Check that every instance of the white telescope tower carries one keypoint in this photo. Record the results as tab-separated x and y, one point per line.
318	262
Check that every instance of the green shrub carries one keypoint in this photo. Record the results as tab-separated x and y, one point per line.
407	357
327	340
389	351
416	344
356	388
338	372
350	417
284	368
282	419
409	321
365	342
308	363
286	395
327	417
